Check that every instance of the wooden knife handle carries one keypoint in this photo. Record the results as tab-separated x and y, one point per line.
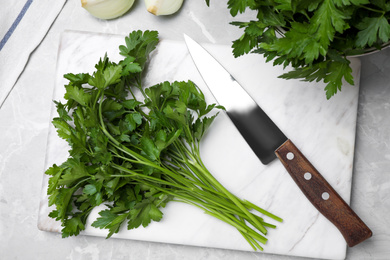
322	195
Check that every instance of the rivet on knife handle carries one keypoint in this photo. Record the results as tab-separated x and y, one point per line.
322	195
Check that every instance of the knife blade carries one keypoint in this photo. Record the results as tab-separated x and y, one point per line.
268	142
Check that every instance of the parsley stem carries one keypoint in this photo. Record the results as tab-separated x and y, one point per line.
185	152
251	205
231	197
244	230
251	240
249	230
236	224
268	214
372	9
209	199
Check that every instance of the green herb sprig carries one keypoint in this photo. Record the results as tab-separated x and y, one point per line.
314	37
135	155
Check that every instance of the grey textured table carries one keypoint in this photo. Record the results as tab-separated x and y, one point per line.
25	116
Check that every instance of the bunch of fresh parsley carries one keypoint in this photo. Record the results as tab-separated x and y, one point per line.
134	149
314	37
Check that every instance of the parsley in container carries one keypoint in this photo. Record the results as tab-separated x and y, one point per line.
314	38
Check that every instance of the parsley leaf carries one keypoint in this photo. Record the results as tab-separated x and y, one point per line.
239	6
372	28
326	21
143	213
73	226
77	94
110	221
336	72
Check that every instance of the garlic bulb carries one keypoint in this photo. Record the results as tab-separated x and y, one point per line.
107	9
163	7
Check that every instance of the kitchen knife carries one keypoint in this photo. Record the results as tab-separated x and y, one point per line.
268	142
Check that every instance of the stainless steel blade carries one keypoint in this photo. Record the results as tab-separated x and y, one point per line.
260	132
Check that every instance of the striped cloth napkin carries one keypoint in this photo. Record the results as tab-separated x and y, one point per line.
23	25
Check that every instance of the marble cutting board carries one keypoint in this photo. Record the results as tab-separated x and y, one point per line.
324	130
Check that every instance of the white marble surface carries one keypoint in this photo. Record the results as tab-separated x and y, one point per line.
24	128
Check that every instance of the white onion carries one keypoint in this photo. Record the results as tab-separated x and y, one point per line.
163	7
107	9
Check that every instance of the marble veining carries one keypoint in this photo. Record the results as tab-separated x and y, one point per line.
202	27
324	130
